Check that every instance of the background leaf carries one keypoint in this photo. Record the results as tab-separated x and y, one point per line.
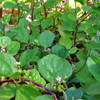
46	39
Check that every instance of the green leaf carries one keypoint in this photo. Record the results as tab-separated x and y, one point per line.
91	30
66	42
44	97
52	66
46	23
94	68
51	3
61	31
13	48
46	39
7	64
69	21
72	50
93	45
22	34
82	55
6	18
5	41
35	35
35	23
7	91
84	78
85	8
93	89
60	50
9	5
35	76
28	56
26	93
23	23
24	7
74	93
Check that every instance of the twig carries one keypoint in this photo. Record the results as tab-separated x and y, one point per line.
18	10
54	96
45	11
82	15
82	21
83	64
75	34
32	10
64	94
63	5
42	51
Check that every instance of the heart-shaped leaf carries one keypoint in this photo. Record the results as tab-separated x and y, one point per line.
52	66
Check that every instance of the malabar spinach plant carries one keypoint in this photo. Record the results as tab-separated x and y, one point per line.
49	50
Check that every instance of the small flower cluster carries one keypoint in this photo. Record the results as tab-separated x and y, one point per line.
2	48
58	79
17	64
48	49
91	2
73	67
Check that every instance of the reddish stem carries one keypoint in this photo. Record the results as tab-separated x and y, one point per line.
0	12
39	85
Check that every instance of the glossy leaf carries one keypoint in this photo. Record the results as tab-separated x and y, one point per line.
21	34
74	93
29	56
13	48
52	66
7	64
69	21
94	68
46	39
7	91
9	5
60	50
5	41
35	76
93	89
66	42
26	93
46	23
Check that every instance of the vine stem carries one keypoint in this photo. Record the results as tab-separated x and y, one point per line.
54	96
32	10
64	94
27	80
75	34
83	64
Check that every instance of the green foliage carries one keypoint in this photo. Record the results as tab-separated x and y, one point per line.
46	45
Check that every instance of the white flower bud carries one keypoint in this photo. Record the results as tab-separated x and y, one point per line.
58	79
2	50
73	67
21	5
17	63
